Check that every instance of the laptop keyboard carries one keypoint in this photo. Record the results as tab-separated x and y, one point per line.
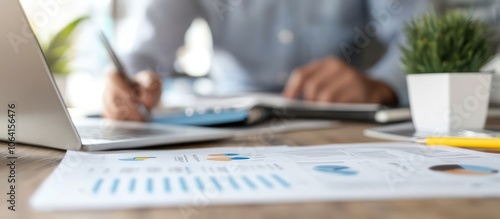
117	133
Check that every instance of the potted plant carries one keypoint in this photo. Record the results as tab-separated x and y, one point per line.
443	58
58	53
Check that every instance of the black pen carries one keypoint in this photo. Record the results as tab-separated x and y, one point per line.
121	70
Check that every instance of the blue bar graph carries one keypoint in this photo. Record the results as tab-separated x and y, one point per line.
150	185
131	187
166	182
184	186
187	184
200	184
281	181
249	182
265	181
233	183
115	185
97	186
216	183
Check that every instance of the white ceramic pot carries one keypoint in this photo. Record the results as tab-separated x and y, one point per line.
495	90
447	102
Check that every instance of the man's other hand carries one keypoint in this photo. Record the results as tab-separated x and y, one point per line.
331	80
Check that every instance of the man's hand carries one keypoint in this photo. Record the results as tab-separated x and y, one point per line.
120	101
331	80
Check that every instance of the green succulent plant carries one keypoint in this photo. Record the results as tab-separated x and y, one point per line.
451	43
57	50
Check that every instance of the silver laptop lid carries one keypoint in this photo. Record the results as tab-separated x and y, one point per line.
26	81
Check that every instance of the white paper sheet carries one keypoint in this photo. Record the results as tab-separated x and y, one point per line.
201	177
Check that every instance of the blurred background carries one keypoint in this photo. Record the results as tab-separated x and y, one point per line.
82	83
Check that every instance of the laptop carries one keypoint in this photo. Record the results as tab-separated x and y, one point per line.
39	114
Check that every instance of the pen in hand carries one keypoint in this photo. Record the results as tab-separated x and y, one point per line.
123	74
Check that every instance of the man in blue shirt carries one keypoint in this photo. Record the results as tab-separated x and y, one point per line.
317	50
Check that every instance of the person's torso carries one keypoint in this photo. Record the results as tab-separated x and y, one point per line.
259	42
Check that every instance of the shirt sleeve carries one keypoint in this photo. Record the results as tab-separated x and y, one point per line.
159	35
391	15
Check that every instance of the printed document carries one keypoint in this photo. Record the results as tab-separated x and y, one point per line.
260	175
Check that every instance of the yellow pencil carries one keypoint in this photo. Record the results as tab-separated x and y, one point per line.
484	143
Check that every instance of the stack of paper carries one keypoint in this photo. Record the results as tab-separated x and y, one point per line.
133	179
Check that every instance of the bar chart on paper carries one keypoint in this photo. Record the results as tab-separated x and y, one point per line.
176	186
141	180
186	184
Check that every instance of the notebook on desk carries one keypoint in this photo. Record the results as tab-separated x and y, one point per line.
252	109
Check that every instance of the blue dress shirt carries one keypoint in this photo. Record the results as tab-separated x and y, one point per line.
258	43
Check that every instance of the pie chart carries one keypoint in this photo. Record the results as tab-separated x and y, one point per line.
460	169
334	169
227	158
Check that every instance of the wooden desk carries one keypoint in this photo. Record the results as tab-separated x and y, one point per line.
35	164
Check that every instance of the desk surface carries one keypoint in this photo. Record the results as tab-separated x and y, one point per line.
35	164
